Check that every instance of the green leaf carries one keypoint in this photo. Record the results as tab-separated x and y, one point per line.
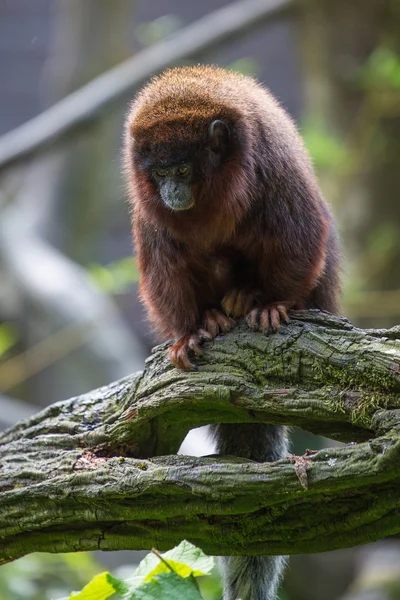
184	560
146	566
119	585
167	586
99	588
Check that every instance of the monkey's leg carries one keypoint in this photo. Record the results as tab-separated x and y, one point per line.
251	577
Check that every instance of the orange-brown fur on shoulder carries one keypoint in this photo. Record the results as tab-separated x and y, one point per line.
259	229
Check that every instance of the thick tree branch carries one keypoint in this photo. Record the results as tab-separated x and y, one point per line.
75	477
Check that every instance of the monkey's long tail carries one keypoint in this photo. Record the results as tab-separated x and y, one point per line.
251	577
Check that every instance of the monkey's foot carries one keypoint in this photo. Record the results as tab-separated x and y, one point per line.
268	318
238	303
214	322
178	352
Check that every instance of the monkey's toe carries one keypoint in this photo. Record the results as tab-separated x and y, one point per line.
237	303
178	352
204	335
268	318
215	322
198	338
253	319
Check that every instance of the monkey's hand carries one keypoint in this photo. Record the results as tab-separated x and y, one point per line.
178	352
214	322
238	303
268	318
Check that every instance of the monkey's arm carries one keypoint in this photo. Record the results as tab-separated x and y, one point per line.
294	264
166	283
297	266
170	289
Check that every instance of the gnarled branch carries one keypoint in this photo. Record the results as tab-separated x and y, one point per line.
78	476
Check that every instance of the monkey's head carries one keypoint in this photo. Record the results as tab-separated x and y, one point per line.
185	149
174	157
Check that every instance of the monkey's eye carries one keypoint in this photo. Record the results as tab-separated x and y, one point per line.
161	172
183	170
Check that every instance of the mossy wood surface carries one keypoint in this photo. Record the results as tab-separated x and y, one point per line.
79	475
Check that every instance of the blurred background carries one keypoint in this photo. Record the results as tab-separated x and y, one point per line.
69	316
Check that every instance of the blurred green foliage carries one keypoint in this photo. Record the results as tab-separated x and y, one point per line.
326	149
383	239
9	335
378	82
46	576
350	161
116	277
381	69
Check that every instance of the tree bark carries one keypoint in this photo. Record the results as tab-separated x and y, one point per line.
78	476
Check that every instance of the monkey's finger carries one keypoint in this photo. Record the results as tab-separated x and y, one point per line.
224	323
265	324
204	335
228	302
210	324
173	355
179	358
283	313
253	319
274	318
194	344
183	361
237	303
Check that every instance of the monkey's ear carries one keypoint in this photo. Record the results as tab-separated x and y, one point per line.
219	137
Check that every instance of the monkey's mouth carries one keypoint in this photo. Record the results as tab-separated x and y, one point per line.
177	195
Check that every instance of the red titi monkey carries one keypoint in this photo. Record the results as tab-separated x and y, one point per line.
229	222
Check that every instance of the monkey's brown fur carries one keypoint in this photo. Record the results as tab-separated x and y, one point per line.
259	238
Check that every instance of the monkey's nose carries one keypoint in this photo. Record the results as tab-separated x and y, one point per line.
177	195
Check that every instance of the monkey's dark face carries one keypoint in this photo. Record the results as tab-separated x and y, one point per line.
175	185
179	164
